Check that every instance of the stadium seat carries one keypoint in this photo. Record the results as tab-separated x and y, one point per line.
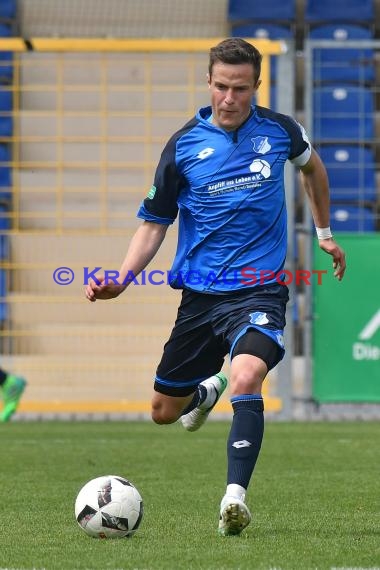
3	283
5	30
342	64
339	11
6	58
8	9
5	220
3	311
270	31
254	10
5	173
6	67
6	104
267	31
343	113
5	176
347	218
352	172
4	246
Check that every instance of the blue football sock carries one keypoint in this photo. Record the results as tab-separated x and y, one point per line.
246	435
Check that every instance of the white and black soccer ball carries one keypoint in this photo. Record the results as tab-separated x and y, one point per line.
109	507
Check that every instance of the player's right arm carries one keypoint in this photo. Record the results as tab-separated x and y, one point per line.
158	210
143	247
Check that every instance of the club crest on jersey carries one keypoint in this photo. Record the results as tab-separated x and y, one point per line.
258	318
261	145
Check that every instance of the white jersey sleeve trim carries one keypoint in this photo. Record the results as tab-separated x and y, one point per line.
303	158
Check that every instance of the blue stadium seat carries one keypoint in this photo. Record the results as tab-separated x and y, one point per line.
6	58
3	294
5	219
254	10
352	172
6	104
8	9
5	176
5	172
343	64
6	101
3	283
264	30
339	10
343	113
346	218
4	246
3	311
5	29
267	31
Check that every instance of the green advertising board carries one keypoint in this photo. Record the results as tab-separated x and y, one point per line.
346	323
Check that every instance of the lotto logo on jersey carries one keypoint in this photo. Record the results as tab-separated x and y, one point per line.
205	153
260	166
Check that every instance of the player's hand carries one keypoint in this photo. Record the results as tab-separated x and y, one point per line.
338	255
101	290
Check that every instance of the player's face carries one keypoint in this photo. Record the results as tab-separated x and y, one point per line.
232	88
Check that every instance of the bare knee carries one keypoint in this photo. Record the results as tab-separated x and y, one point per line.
247	375
161	415
167	409
245	384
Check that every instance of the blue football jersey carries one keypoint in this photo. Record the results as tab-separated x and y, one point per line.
228	190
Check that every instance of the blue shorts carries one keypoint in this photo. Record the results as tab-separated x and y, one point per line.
208	327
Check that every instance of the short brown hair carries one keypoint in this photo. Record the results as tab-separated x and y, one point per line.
236	51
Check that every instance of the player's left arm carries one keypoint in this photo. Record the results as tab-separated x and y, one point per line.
316	184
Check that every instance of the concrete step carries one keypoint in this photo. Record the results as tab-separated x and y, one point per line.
95	378
58	386
68	383
118	385
164	120
78	339
51	279
80	249
35	257
76	209
44	208
133	307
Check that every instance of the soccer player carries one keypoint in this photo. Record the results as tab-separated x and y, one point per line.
11	388
223	171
